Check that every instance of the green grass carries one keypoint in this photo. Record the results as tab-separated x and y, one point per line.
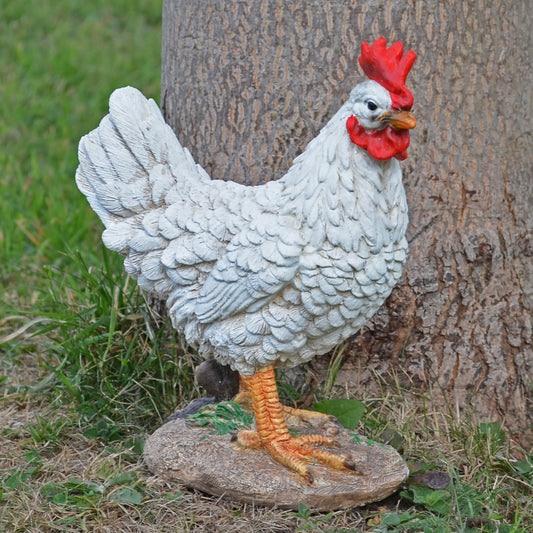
60	62
85	371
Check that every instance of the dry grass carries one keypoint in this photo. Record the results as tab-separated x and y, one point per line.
73	456
85	383
45	452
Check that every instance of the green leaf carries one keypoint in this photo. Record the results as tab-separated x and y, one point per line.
127	495
494	432
80	486
393	438
438	501
61	498
32	456
124	478
524	468
395	519
224	417
15	480
75	493
171	497
303	510
104	430
348	412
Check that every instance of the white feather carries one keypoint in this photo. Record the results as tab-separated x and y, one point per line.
253	275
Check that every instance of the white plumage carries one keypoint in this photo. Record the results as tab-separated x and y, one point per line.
271	274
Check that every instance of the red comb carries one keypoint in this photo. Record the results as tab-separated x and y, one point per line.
389	69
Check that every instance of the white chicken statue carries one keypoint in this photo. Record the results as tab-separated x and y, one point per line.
270	275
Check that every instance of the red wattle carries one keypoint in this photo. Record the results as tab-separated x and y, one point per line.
380	144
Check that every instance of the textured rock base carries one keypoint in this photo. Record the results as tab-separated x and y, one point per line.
196	457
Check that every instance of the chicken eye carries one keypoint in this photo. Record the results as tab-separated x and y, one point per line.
371	105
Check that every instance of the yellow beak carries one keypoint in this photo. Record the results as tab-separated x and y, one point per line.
399	120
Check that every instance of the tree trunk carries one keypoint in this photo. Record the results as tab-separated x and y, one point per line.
246	85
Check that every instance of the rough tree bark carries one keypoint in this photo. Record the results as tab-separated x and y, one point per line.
247	84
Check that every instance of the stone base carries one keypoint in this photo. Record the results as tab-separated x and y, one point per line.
198	458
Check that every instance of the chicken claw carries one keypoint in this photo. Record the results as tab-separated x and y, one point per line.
272	434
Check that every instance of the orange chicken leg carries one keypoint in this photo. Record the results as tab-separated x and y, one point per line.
272	434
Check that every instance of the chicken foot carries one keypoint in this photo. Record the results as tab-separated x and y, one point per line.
293	416
272	434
